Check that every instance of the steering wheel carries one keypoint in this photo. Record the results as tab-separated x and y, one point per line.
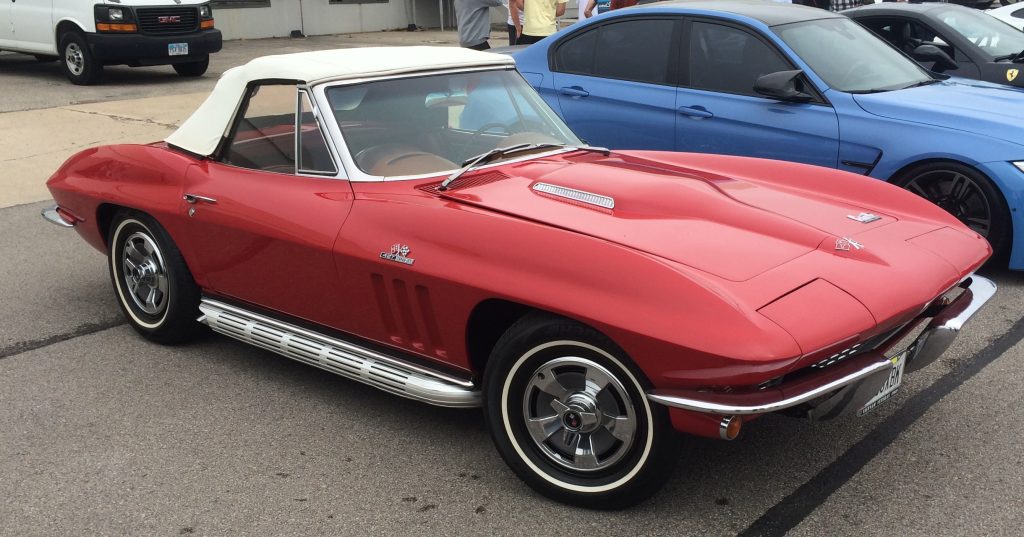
489	126
858	65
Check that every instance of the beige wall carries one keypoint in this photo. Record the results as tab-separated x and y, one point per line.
319	17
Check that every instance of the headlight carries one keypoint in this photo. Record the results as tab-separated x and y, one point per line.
204	12
1019	164
115	14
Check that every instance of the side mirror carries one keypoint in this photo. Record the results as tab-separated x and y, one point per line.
930	53
783	85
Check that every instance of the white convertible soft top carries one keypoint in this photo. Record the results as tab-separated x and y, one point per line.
203	130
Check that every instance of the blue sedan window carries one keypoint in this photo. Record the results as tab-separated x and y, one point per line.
634	49
848	57
728	59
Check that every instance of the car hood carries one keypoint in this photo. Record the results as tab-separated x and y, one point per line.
973	106
731	228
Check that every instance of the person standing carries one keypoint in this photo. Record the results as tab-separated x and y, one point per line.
474	20
541	19
514	24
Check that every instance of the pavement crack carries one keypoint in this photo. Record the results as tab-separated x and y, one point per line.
145	121
82	330
789	512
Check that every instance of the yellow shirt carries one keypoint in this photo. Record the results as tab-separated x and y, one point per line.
539	17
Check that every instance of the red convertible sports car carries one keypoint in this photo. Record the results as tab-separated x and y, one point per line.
332	207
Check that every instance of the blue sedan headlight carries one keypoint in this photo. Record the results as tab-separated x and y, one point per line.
1019	164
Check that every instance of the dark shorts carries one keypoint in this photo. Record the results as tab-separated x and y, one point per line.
529	39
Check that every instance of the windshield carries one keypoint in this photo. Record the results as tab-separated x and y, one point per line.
429	124
850	58
992	36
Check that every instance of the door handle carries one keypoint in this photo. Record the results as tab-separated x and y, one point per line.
574	91
697	112
195	198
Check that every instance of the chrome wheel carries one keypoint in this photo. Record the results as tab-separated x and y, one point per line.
74	58
579	414
959	195
145	275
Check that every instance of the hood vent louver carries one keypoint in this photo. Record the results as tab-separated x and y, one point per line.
579	196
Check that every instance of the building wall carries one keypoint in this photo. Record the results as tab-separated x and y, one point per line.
318	17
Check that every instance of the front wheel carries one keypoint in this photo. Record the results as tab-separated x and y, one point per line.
153	285
190	69
966	194
568	413
77	60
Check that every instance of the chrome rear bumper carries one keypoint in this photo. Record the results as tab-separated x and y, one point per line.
845	387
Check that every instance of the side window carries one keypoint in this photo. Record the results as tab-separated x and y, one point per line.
921	33
577	55
634	49
886	29
264	137
729	60
314	157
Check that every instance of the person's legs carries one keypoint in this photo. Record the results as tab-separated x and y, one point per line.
529	39
511	33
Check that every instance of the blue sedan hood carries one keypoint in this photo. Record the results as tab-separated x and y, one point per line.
976	107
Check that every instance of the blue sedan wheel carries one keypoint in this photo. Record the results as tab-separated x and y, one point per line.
966	194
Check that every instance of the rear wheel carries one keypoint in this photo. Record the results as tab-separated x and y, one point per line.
197	68
568	413
153	285
966	194
77	60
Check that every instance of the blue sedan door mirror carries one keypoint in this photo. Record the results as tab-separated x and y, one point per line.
784	86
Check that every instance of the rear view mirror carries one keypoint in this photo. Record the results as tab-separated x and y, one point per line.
783	85
930	53
438	99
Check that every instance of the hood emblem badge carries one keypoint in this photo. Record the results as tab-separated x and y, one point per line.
399	253
845	244
1011	74
864	218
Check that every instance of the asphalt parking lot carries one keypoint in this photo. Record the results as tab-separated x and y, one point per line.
103	433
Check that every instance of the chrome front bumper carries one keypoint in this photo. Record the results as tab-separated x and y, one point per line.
51	215
845	387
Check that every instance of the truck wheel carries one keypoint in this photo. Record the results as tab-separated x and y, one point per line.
78	63
568	412
193	68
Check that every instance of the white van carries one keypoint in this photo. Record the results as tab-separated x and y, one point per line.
85	35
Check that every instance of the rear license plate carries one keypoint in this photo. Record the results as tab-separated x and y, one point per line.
890	386
177	49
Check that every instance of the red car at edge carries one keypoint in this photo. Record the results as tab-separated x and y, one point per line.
419	220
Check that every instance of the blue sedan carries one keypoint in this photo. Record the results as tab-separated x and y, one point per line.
788	82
